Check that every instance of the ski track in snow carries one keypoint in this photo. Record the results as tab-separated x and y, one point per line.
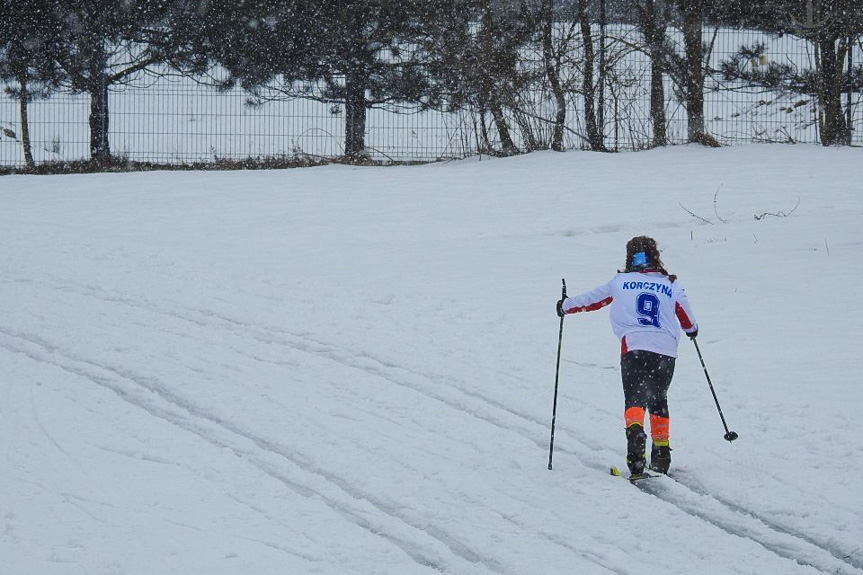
729	517
745	523
843	555
372	512
342	498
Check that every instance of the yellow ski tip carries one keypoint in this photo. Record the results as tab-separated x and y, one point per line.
613	470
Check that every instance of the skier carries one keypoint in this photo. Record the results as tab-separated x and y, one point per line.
646	306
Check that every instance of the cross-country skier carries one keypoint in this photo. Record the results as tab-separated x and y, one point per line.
647	304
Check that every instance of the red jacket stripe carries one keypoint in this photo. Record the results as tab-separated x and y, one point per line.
685	322
592	307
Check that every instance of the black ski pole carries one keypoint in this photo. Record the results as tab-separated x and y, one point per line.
729	435
556	378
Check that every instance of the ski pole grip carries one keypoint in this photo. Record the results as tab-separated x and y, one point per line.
563	281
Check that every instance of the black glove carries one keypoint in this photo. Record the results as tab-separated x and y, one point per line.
560	312
693	335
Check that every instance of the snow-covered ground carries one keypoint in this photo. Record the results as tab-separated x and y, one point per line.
345	370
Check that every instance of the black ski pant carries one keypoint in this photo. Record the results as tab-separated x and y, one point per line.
646	378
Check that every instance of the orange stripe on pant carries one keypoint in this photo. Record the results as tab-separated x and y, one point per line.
634	415
659	429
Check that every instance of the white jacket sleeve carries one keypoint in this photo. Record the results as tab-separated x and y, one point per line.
589	301
684	313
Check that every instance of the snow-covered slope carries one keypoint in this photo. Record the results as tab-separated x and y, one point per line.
347	370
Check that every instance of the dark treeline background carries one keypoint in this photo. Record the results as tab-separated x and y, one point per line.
432	54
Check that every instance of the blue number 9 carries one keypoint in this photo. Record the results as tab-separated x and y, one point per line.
648	307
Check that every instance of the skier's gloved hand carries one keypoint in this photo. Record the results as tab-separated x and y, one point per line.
560	312
693	335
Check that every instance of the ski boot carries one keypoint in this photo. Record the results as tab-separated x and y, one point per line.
636	441
660	457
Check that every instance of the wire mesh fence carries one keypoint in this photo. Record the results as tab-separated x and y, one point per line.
168	118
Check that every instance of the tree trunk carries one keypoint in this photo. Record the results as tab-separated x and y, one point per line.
834	127
849	121
497	115
694	75
100	150
657	102
603	64
654	35
529	138
552	66
594	136
485	145
488	90
356	81
355	115
24	99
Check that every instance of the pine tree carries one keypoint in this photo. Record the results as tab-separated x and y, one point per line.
26	35
353	54
832	27
100	43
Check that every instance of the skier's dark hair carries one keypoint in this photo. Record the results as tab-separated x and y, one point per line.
647	246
